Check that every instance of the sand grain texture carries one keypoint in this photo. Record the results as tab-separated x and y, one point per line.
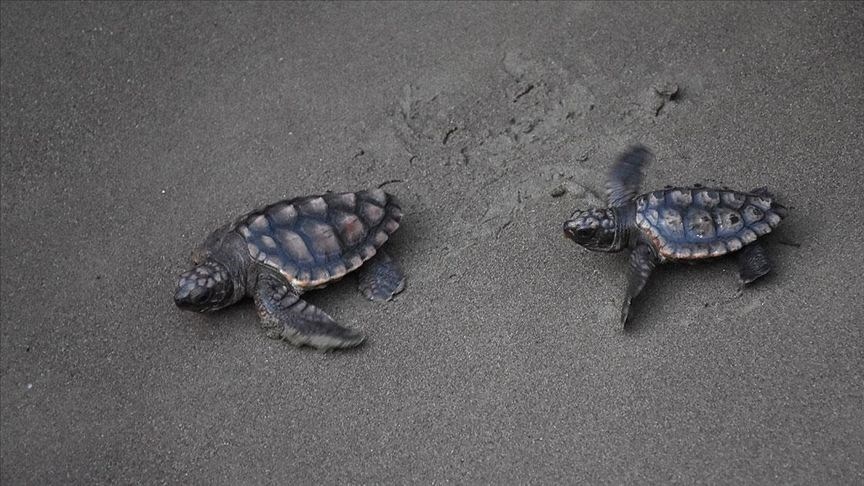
130	131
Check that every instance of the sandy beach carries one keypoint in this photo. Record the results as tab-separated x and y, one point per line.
130	131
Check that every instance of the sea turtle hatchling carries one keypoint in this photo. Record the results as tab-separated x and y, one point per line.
677	224
276	253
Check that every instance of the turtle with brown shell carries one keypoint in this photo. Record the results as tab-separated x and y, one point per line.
276	253
676	224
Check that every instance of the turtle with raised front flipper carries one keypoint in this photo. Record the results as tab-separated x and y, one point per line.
677	224
276	253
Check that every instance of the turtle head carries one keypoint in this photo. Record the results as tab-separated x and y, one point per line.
206	287
594	228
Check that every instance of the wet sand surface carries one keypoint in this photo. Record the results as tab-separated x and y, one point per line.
131	131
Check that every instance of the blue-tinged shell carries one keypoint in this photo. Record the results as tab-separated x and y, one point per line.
691	223
314	240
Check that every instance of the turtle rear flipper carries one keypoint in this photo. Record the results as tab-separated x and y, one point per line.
284	315
381	278
754	263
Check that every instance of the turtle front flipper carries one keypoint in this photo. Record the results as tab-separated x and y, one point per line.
284	315
626	175
754	263
381	277
642	263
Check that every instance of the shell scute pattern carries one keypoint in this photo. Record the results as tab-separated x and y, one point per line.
706	198
283	214
732	199
313	207
371	213
680	198
728	221
752	214
692	223
699	224
314	240
349	226
672	223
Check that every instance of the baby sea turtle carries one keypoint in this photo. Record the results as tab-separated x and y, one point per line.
276	253
677	224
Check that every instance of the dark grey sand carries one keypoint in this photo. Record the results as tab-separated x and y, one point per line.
130	131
